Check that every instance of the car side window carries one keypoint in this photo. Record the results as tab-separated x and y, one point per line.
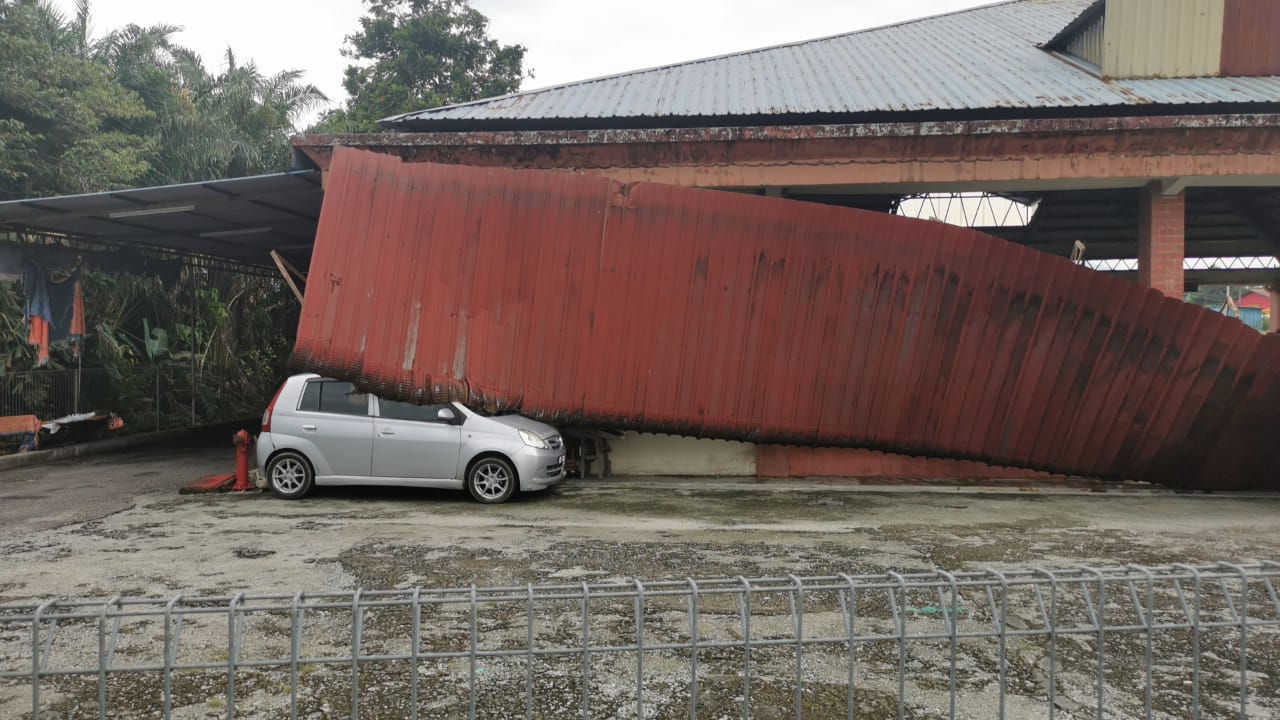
338	398
393	410
311	396
342	398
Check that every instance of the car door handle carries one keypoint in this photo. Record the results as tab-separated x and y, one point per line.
386	433
308	428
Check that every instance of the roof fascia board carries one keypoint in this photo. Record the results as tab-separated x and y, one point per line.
792	132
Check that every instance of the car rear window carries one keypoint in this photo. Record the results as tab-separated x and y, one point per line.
328	396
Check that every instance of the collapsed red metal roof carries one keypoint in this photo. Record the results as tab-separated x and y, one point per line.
578	300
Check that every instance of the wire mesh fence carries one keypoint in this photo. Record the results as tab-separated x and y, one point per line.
1144	642
149	397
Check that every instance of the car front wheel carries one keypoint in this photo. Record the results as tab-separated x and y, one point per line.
491	480
289	475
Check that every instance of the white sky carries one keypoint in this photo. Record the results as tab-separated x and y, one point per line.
567	39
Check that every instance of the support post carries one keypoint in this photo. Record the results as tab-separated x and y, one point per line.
191	268
1162	225
1274	319
288	271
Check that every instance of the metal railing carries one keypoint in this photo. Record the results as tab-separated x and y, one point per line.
148	397
1168	641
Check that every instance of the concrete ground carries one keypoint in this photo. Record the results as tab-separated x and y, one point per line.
115	525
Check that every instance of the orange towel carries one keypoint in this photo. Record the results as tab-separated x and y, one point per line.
14	424
39	338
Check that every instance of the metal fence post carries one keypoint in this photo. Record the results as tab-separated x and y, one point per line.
76	641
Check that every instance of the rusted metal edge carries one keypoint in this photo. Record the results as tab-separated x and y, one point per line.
790	132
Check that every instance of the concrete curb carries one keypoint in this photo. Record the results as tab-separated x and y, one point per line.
101	447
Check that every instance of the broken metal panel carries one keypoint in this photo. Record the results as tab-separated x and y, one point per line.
581	301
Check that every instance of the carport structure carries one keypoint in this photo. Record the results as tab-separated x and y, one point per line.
1142	137
236	222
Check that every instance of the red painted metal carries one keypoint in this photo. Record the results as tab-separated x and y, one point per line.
581	301
209	484
244	445
1249	45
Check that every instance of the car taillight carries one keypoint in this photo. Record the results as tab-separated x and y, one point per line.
266	416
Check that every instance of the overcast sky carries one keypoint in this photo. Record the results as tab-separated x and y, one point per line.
567	39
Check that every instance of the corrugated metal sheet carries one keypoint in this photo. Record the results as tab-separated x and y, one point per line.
1251	38
1163	38
581	301
236	219
985	58
1088	42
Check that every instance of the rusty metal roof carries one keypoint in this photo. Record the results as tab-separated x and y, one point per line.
983	59
647	307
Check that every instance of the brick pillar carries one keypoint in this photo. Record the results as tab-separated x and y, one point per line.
1162	226
1275	308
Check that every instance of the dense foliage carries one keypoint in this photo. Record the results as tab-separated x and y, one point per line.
417	54
132	108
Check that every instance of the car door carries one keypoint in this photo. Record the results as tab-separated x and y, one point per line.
336	418
410	441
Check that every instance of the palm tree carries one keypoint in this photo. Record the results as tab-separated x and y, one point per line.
231	124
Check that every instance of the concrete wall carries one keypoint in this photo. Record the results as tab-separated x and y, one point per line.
637	454
645	454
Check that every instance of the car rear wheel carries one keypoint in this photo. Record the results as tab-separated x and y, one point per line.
491	480
289	475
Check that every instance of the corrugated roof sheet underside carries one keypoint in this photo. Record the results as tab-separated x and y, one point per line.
980	59
577	300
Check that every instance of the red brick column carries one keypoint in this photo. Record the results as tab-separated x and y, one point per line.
1162	227
1275	308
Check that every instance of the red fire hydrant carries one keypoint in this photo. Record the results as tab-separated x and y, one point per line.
244	445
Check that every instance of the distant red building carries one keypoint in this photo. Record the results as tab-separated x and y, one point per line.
1255	299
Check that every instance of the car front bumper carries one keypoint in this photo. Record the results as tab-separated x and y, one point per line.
539	469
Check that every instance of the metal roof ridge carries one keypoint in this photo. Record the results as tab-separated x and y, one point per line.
695	61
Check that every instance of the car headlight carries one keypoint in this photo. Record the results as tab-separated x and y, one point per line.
533	441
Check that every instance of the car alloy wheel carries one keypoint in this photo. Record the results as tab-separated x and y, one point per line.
491	480
289	476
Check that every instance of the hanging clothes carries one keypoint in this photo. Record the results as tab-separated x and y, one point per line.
66	305
39	312
55	312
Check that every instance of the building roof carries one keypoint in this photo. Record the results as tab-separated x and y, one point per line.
1255	299
240	220
986	61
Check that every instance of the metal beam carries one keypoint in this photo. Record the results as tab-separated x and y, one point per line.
1252	216
287	270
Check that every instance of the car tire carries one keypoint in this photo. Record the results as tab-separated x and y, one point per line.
289	475
491	480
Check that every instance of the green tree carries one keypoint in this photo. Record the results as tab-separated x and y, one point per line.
64	119
1210	296
417	54
232	124
130	108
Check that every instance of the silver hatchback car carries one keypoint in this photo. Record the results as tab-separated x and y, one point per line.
318	431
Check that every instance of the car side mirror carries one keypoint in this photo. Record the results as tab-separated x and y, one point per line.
447	415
